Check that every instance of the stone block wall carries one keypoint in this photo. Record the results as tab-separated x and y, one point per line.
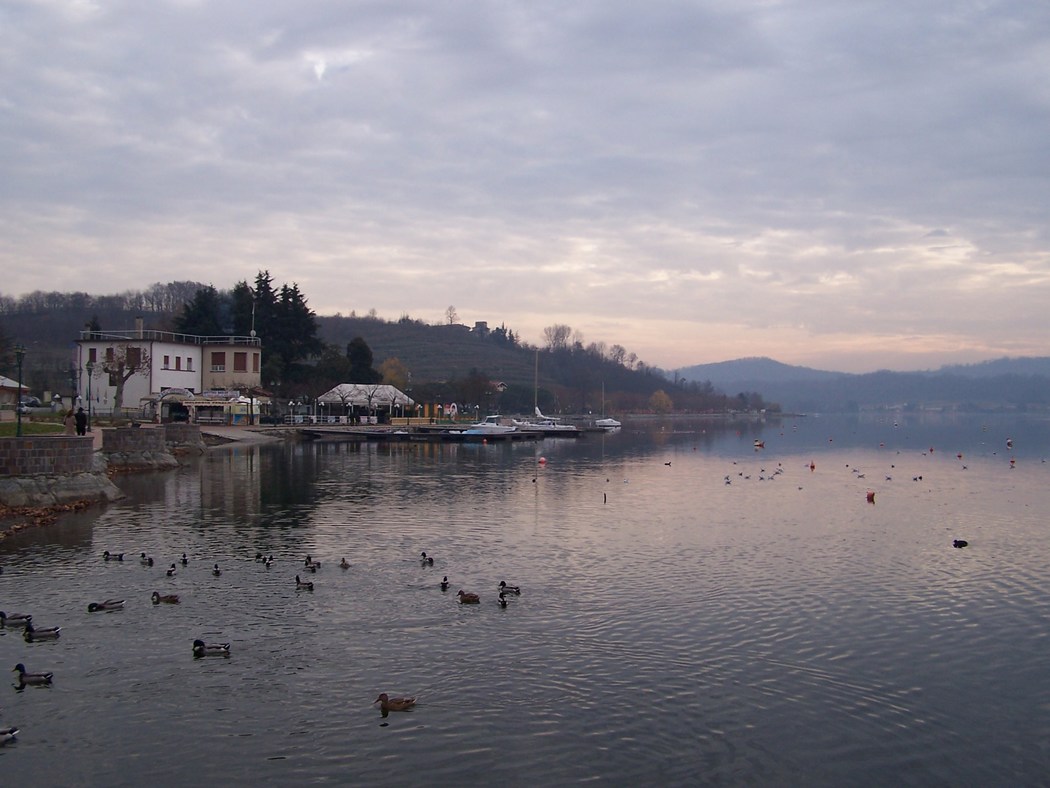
132	440
46	455
183	436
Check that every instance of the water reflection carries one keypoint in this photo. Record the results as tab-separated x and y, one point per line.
672	628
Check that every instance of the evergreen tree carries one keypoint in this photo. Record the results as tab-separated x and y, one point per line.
360	356
202	316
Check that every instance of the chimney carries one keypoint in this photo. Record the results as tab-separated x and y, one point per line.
138	327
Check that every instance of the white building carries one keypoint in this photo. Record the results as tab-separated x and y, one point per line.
153	362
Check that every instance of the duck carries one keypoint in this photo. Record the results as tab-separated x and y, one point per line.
960	543
312	565
268	562
467	599
171	571
108	604
425	559
344	564
202	649
14	619
506	589
259	558
169	599
216	571
386	703
502	601
8	734
184	560
303	585
31	635
108	556
145	560
35	679
444	583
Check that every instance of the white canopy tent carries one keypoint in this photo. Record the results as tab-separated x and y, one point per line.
371	396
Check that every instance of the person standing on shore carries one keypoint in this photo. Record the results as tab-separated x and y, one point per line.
70	422
81	422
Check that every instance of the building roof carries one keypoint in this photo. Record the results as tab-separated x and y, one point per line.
7	383
365	395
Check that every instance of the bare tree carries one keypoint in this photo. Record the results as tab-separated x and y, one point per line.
557	336
125	361
451	316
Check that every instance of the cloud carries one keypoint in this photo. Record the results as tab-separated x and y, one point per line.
731	172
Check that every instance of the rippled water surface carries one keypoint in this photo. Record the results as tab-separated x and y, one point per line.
672	628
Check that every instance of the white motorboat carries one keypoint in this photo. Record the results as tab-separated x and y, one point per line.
607	424
490	425
548	425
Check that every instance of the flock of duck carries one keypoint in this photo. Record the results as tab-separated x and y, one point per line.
201	648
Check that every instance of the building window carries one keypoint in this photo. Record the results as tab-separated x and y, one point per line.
189	363
133	357
218	361
93	355
178	363
109	354
240	362
255	362
167	362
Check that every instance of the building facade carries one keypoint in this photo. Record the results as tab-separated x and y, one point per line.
130	371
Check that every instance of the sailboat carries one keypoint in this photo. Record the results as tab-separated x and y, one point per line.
548	425
606	423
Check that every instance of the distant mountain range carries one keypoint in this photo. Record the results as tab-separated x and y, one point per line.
1006	383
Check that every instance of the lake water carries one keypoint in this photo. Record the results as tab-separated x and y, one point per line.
672	628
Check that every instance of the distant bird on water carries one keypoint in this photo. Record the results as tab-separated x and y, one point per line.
425	559
171	571
960	543
32	635
108	556
303	585
216	571
467	599
444	583
168	599
506	589
14	619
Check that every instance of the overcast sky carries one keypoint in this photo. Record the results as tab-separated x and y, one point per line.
845	185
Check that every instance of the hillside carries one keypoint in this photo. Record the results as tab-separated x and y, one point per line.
1019	383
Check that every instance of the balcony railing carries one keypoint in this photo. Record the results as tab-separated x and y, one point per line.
132	335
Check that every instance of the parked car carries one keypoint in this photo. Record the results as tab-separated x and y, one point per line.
31	402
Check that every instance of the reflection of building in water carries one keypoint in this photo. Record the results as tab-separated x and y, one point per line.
231	481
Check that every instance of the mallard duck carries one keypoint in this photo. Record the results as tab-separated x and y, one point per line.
303	585
444	583
259	558
14	619
184	560
109	604
960	543
344	564
502	601
108	556
31	635
425	559
36	679
269	562
467	599
8	734
143	559
171	571
216	571
202	649
386	703
169	599
506	589
311	564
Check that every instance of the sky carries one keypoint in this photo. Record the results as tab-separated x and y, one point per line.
847	185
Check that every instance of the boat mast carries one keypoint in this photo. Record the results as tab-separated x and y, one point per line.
536	384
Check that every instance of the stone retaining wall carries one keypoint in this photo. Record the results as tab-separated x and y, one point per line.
129	449
46	455
183	438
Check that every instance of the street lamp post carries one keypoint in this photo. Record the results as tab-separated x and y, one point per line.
72	387
90	367
20	355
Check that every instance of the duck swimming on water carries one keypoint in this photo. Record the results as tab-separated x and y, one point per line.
386	703
32	635
303	585
35	679
109	604
14	619
467	598
169	599
202	649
